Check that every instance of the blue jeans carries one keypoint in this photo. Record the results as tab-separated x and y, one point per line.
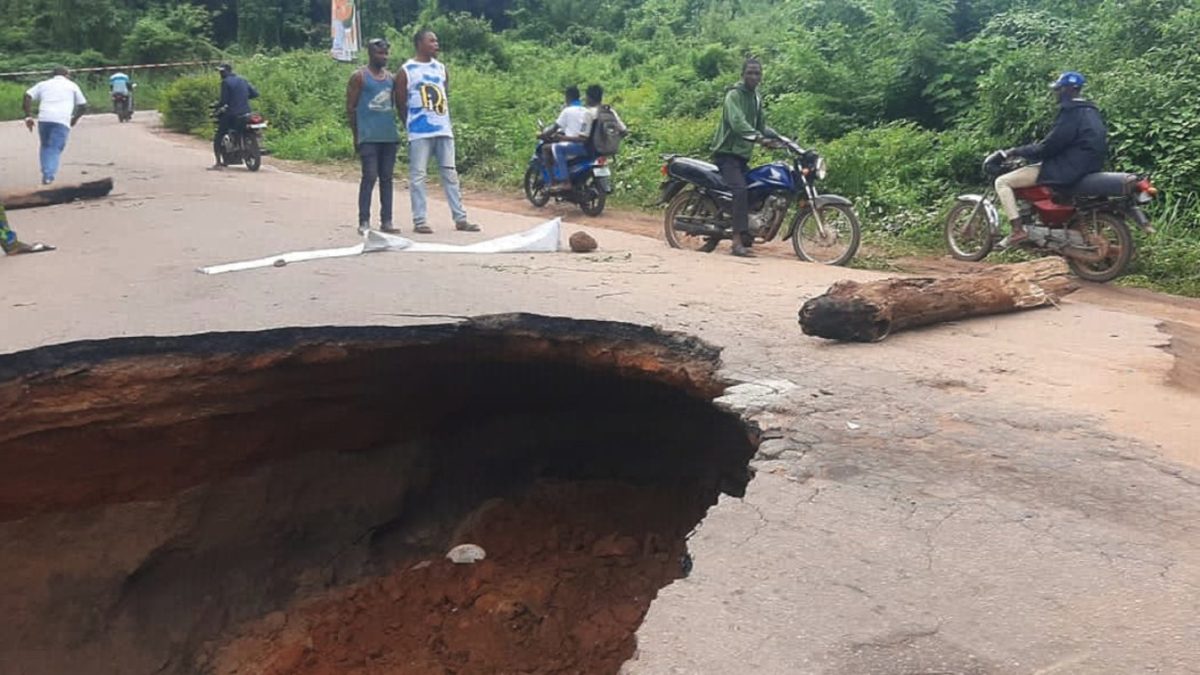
54	139
562	153
419	152
378	164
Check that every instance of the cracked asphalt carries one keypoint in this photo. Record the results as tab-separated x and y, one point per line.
1005	495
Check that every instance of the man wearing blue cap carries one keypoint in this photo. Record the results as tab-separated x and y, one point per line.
1076	146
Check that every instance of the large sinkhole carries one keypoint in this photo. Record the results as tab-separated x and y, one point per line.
282	501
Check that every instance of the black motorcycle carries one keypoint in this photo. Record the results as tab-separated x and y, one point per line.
824	228
123	104
243	143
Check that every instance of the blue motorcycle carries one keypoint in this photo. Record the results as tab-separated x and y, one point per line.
824	228
590	178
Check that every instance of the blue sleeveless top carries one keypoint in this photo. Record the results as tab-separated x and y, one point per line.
376	111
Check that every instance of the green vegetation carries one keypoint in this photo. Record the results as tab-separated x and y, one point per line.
903	96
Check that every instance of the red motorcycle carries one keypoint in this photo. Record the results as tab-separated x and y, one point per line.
1088	223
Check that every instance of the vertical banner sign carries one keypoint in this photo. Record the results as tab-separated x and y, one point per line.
344	29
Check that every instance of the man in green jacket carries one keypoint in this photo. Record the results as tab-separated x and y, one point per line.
742	125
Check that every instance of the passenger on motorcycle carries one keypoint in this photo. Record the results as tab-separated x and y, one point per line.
594	101
236	94
742	125
1076	146
570	136
119	83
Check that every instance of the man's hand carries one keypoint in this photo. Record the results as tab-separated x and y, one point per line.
29	123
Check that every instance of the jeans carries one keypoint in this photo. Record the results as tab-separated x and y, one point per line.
53	138
419	152
562	153
733	171
1026	176
378	164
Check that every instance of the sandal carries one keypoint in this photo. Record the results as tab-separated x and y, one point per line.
466	226
423	229
20	247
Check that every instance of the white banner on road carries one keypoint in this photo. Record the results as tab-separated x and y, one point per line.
541	239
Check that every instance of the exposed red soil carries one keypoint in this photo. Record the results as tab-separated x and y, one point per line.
570	572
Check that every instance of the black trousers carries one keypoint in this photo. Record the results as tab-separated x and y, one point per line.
733	171
225	122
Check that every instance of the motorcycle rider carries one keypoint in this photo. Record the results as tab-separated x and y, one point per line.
574	124
119	84
236	94
1076	146
742	125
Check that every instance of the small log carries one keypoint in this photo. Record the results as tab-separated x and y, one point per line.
869	312
56	195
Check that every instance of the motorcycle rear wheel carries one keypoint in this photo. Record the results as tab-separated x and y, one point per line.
693	205
592	198
842	230
535	186
968	238
1114	232
252	153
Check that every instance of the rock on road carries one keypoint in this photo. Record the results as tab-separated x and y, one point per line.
1011	494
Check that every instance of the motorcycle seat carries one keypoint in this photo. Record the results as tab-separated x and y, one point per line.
1104	184
698	172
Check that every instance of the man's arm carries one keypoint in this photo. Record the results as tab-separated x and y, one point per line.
80	106
446	88
253	93
353	92
400	95
28	105
1060	136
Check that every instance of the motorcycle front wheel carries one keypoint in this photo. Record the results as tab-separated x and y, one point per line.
252	153
833	241
592	198
1108	239
696	207
968	235
535	186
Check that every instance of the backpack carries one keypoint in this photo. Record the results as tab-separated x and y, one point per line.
606	132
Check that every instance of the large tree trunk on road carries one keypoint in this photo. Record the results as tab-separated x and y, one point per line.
869	312
56	195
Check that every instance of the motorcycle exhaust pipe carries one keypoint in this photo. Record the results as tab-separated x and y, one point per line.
698	229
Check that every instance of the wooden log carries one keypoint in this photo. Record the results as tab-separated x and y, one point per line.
869	312
56	195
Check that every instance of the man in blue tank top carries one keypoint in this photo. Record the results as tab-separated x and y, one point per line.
371	100
426	86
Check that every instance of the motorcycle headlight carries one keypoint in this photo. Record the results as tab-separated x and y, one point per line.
822	168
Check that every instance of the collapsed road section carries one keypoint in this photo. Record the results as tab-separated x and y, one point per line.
282	501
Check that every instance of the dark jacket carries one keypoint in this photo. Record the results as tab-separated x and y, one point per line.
236	93
1075	147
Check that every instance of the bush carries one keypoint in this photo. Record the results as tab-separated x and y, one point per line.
169	35
186	104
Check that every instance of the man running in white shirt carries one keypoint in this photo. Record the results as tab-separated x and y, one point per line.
60	105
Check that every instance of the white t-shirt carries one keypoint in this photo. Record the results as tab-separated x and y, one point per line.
57	98
575	120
